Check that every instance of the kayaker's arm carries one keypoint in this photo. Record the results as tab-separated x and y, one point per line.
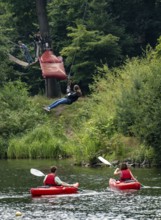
44	179
58	181
133	176
117	171
61	183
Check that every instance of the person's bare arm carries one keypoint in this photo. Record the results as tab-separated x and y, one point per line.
132	176
44	179
117	171
61	183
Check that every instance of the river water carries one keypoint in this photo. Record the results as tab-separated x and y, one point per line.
94	200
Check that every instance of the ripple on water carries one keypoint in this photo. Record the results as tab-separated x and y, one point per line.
98	203
91	205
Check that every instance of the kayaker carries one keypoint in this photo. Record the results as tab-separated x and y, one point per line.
52	180
124	172
68	99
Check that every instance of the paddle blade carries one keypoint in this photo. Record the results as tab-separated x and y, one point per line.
104	161
36	172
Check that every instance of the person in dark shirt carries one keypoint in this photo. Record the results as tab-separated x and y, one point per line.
38	40
26	53
68	99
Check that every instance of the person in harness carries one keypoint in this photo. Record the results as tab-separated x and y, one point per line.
26	53
125	173
53	180
38	44
68	99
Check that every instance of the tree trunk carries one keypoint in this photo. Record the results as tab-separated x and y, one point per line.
52	86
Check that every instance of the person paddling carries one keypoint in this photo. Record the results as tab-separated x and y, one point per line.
53	180
124	172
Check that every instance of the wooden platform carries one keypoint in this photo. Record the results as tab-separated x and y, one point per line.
20	62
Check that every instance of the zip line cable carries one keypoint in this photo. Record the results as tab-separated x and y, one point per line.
85	4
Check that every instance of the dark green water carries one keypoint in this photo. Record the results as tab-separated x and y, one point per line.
94	201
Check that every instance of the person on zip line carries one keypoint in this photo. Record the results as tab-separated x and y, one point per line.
52	179
26	53
68	99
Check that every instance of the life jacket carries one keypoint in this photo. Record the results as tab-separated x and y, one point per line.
125	175
50	180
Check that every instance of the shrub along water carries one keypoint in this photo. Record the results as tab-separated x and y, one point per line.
18	113
125	103
41	142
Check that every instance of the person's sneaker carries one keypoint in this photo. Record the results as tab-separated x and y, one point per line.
46	109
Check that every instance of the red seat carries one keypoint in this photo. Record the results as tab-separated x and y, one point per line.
52	66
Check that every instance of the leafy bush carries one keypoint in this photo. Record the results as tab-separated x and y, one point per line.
18	113
41	142
125	101
138	109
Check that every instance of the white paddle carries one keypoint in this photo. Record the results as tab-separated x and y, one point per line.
104	161
36	172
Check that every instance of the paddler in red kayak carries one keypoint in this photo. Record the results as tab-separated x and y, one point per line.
124	172
52	180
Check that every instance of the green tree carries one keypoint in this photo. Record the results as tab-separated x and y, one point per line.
63	14
100	18
139	106
93	14
81	18
25	17
90	49
18	113
140	19
7	30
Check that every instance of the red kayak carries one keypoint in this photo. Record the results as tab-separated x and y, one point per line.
54	190
124	185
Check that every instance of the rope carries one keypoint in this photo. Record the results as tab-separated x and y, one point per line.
74	57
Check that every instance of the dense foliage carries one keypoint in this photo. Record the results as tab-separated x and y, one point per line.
80	29
112	49
18	113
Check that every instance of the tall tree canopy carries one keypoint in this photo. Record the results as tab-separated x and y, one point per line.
133	23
